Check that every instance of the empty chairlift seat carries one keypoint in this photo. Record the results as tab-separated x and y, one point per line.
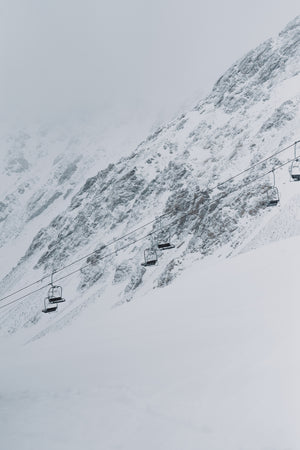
55	294
49	307
150	257
273	193
272	196
163	241
295	166
295	170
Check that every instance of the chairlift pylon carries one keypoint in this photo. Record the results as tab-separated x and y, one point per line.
150	257
273	193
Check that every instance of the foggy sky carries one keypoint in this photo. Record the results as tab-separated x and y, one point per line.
80	58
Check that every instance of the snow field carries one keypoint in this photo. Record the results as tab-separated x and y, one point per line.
209	362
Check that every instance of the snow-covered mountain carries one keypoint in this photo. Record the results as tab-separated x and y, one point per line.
205	356
42	167
54	212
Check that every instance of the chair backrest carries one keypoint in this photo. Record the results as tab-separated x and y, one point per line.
163	237
55	292
295	169
273	195
150	255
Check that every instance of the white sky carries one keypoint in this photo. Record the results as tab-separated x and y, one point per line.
80	58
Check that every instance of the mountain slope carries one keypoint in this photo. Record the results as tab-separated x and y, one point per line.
42	166
252	111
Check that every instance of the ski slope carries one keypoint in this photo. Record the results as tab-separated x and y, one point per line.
210	362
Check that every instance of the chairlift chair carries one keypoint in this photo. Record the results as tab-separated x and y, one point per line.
272	196
55	293
150	257
295	170
163	241
163	237
49	307
273	193
295	166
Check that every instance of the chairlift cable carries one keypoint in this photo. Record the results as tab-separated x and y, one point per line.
24	296
77	270
254	165
25	287
155	220
144	237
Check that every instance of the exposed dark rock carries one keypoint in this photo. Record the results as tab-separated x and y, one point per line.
68	172
35	208
135	280
283	114
18	164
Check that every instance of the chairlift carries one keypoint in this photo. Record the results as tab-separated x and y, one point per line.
295	166
273	193
49	307
273	196
55	293
163	241
295	170
150	257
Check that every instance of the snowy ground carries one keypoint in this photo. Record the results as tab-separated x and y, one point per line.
210	362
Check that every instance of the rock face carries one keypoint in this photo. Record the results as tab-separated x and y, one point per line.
252	111
246	81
